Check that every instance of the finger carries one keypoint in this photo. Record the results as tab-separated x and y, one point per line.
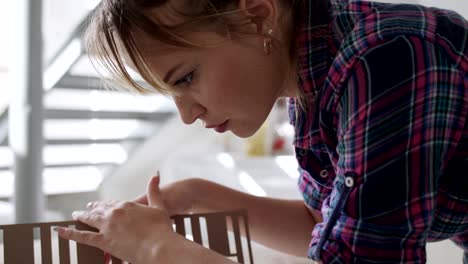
84	237
142	199
101	204
92	218
91	205
154	193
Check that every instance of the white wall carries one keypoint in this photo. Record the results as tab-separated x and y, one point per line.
460	6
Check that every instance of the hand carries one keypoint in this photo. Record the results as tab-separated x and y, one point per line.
177	197
130	231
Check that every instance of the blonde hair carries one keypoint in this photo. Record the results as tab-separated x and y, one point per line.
114	24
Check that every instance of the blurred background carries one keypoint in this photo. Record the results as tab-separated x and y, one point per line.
79	143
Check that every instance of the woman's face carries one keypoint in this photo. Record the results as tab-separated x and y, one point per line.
229	87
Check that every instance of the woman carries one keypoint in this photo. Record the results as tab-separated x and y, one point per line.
379	102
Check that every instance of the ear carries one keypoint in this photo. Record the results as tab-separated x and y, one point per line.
263	13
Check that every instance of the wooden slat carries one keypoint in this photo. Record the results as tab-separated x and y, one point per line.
237	237
18	244
196	232
46	244
64	250
180	225
217	233
247	234
87	254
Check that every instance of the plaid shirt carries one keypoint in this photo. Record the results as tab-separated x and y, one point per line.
383	152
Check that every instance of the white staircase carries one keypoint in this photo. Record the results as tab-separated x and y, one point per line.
88	131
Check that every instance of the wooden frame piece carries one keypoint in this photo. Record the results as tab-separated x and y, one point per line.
18	240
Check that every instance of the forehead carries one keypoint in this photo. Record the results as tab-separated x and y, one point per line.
161	56
199	38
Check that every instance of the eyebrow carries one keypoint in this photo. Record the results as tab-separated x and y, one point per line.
171	72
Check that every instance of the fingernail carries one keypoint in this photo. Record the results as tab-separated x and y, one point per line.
154	180
74	214
90	204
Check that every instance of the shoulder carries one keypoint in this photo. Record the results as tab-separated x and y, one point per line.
385	31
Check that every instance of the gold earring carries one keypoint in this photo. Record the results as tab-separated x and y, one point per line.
267	45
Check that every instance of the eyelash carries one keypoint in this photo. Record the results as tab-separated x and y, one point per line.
185	80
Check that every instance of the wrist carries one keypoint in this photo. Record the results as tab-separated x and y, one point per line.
162	250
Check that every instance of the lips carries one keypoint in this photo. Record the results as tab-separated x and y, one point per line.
220	128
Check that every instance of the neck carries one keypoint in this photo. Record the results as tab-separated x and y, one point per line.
291	86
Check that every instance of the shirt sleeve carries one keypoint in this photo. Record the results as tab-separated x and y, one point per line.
315	177
398	126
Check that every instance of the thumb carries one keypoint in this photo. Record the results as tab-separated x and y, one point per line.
155	198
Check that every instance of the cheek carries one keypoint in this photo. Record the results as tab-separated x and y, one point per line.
222	88
240	86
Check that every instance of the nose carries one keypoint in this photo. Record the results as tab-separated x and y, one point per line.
189	110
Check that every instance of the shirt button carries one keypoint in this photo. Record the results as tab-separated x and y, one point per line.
302	152
323	173
349	182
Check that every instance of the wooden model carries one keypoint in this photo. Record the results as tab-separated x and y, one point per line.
18	240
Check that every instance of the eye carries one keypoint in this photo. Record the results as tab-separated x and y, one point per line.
186	80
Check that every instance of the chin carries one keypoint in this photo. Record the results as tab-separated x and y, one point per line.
245	132
243	135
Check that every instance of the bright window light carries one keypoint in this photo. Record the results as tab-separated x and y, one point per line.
59	180
6	183
226	160
69	56
88	154
91	4
250	185
94	129
101	100
65	180
98	129
6	157
289	165
286	130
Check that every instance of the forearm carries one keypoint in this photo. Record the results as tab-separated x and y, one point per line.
284	225
181	250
